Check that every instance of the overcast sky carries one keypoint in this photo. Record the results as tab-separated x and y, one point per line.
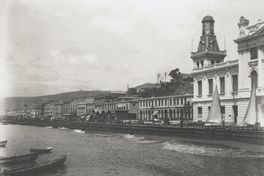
53	46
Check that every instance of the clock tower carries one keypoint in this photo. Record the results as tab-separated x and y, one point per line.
208	52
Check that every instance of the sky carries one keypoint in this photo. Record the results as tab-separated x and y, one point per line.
54	46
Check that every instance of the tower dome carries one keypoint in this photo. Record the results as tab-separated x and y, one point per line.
208	18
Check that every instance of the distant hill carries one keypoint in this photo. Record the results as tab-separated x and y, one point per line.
12	102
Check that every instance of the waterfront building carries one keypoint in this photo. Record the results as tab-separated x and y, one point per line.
233	78
250	44
84	105
123	107
58	110
175	107
66	110
49	110
33	111
210	70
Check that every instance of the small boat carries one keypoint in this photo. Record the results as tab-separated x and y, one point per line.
3	143
19	158
41	150
43	166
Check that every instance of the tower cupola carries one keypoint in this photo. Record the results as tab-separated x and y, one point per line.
208	52
208	25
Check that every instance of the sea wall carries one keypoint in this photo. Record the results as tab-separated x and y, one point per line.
254	136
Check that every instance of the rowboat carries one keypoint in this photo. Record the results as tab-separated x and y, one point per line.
43	166
41	150
3	143
19	158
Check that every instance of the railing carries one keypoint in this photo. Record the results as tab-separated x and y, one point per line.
207	51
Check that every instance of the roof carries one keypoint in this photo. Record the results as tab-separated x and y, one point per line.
171	96
208	18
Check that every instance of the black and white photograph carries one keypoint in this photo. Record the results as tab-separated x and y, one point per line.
131	88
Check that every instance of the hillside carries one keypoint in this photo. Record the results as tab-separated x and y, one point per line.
12	102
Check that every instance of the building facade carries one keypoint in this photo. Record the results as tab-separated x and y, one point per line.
175	107
124	107
232	78
49	110
58	110
209	71
250	45
84	106
66	109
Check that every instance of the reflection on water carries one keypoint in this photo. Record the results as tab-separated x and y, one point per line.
108	154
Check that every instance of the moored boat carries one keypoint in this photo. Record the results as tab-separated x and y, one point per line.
19	158
43	166
41	150
3	143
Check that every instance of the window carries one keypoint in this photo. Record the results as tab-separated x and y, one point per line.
209	108
222	109
197	64
253	53
170	102
181	101
174	101
212	62
202	63
199	88
210	86
234	83
177	101
200	112
222	84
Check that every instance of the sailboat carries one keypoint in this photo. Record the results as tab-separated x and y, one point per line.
251	114
215	117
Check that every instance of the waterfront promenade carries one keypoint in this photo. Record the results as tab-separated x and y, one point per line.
242	134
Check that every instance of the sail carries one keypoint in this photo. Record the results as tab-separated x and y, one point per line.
215	111
251	114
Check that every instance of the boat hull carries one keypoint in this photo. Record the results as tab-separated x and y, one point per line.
37	168
20	158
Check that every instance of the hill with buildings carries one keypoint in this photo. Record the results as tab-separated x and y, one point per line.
13	102
180	83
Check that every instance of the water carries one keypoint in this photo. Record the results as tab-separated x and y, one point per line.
107	154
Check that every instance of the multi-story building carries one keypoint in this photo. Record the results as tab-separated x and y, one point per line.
233	78
49	110
124	107
84	105
176	107
250	45
66	109
58	110
209	71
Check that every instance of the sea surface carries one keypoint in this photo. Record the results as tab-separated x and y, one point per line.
109	154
